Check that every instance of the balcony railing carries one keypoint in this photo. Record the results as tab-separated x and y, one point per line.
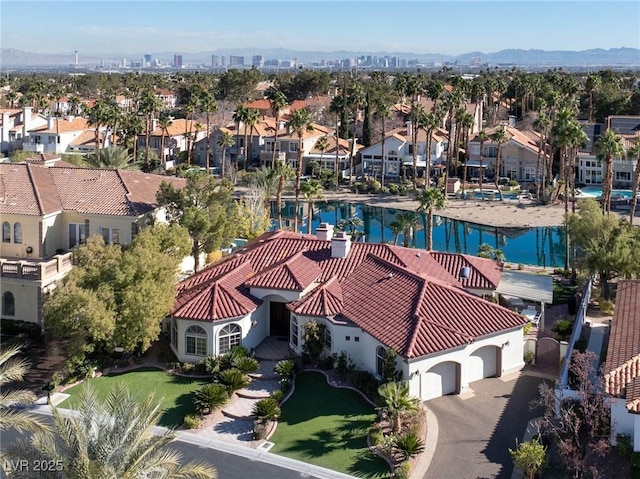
36	147
37	270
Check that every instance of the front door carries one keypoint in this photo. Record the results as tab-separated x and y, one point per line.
279	319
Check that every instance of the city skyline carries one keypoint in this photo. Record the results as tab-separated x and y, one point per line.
455	27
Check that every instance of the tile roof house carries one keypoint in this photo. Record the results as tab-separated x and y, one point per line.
46	211
15	124
62	135
175	137
370	297
622	367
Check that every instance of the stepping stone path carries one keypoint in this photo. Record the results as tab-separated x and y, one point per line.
263	383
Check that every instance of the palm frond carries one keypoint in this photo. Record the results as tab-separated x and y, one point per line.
20	420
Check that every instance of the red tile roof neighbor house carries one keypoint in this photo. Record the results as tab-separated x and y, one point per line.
408	299
622	377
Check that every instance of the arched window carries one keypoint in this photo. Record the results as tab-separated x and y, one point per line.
327	338
380	352
6	232
294	331
174	332
8	304
230	336
17	233
196	339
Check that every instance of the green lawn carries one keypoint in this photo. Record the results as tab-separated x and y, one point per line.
328	427
176	392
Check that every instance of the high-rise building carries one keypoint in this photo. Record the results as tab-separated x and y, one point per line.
177	61
76	58
147	60
257	61
236	61
215	60
222	61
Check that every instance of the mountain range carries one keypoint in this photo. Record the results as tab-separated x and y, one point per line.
614	57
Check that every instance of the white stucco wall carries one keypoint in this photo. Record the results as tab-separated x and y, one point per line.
623	422
25	295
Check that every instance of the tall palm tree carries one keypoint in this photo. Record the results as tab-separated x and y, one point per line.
300	123
164	122
190	111
396	228
150	106
634	155
12	97
465	122
312	190
197	128
97	116
322	145
253	116
610	146
409	222
239	118
483	137
209	106
594	80
226	140
285	173
338	105
416	113
499	137
383	112
277	101
542	125
108	438
13	369
431	199
133	128
397	400
111	157
356	99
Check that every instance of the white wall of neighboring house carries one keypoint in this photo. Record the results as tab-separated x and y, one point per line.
623	422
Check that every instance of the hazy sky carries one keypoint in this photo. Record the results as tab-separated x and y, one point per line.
446	27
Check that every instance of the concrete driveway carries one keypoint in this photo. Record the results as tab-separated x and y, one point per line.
476	430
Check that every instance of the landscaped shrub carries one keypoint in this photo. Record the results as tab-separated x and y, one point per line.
210	397
191	421
227	361
344	365
375	435
403	470
247	365
260	430
529	357
277	395
624	444
12	327
408	445
394	189
606	307
266	410
326	362
285	369
365	382
187	368
212	364
562	328
233	379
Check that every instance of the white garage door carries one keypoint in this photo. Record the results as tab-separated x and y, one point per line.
482	364
439	380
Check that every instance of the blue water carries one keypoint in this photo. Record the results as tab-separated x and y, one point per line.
493	195
596	192
542	246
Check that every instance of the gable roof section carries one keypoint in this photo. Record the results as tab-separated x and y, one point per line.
64	125
326	300
484	273
142	188
294	274
623	353
27	190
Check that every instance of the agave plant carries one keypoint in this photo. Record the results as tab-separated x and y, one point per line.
266	410
212	364
210	397
408	445
285	369
228	360
233	379
246	364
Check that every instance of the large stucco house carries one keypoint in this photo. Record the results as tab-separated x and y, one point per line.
46	211
622	368
429	306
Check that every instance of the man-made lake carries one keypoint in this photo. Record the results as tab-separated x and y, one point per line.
542	246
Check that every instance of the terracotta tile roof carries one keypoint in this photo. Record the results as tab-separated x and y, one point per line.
64	125
87	138
408	301
260	104
177	128
483	274
39	190
623	354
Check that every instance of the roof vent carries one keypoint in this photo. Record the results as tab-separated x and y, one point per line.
465	272
418	254
390	275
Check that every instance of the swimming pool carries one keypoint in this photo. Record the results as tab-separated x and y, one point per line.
596	192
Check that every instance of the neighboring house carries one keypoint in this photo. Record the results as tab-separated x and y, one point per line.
622	368
398	152
327	158
65	135
46	211
168	97
370	297
15	124
519	154
175	138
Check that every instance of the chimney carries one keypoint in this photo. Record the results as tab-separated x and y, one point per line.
340	245
51	122
325	232
154	124
409	129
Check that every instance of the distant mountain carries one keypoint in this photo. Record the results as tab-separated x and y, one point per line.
625	57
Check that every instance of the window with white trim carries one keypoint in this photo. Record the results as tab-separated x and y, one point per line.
196	341
111	235
327	338
380	352
174	333
229	337
17	233
294	331
6	232
8	304
76	234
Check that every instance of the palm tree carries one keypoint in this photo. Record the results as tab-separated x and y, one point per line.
356	99
12	369
284	172
500	137
225	141
150	105
397	400
253	116
97	116
190	111
74	104
240	117
12	97
209	106
409	221
277	101
322	145
594	80
133	127
116	157
610	146
634	155
198	127
109	438
483	137
466	123
431	199
164	122
396	229
312	190
542	125
338	105
300	123
383	112
417	112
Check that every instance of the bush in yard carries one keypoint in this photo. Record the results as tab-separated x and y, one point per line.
246	364
266	410
210	397
260	430
187	368
233	379
314	339
530	457
285	369
365	382
277	395
191	421
375	435
562	328
403	470
624	444
227	361
408	445
212	364
606	306
344	364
